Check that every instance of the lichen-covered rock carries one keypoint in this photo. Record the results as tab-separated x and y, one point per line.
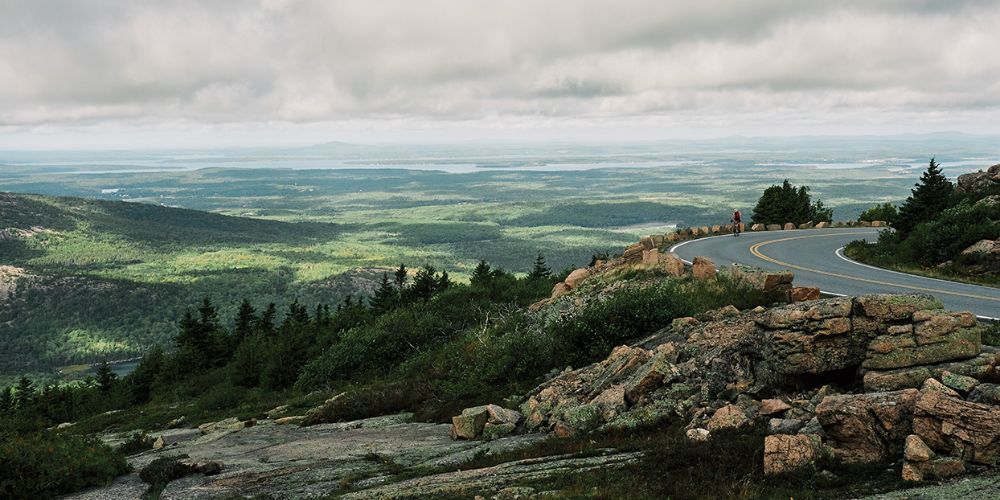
776	284
728	417
576	277
671	264
804	293
698	434
958	428
786	453
981	181
932	385
773	406
888	307
469	424
898	352
915	450
867	428
578	420
784	425
496	431
937	469
658	370
894	380
958	382
985	393
703	268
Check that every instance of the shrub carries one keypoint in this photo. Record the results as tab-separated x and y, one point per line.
138	442
45	464
884	212
944	237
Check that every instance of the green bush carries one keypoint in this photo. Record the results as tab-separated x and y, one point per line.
138	442
45	464
885	212
943	238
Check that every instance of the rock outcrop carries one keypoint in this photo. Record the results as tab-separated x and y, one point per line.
978	182
732	370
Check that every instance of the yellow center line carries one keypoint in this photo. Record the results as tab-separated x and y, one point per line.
755	249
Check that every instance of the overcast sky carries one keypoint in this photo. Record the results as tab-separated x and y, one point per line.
227	72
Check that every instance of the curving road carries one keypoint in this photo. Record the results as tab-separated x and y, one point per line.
816	257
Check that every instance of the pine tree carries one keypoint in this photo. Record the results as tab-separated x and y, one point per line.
246	319
929	197
25	394
481	275
386	296
6	400
266	324
140	382
209	315
105	378
400	277
298	313
424	283
443	282
540	270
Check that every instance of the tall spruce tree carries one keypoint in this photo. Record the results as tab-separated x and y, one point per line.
105	378
246	319
443	282
25	394
400	277
540	270
425	283
929	197
481	275
386	295
6	400
266	324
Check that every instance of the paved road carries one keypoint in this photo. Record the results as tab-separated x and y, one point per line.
816	259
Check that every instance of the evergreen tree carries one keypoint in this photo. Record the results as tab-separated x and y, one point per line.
25	394
400	276
208	314
481	275
540	270
140	381
443	282
266	324
6	400
424	283
386	296
106	378
246	319
929	197
201	343
298	313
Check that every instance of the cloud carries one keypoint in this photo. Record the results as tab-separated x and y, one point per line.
704	62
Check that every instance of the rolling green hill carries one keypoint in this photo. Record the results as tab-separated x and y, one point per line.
87	280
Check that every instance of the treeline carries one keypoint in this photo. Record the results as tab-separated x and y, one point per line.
933	226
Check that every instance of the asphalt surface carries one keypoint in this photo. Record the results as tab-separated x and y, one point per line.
816	257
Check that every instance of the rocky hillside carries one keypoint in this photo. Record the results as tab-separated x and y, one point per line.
889	380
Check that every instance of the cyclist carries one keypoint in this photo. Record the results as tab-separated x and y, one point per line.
737	221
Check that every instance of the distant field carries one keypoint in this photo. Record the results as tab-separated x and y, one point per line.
112	278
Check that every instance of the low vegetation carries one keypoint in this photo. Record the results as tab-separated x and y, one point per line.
934	227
